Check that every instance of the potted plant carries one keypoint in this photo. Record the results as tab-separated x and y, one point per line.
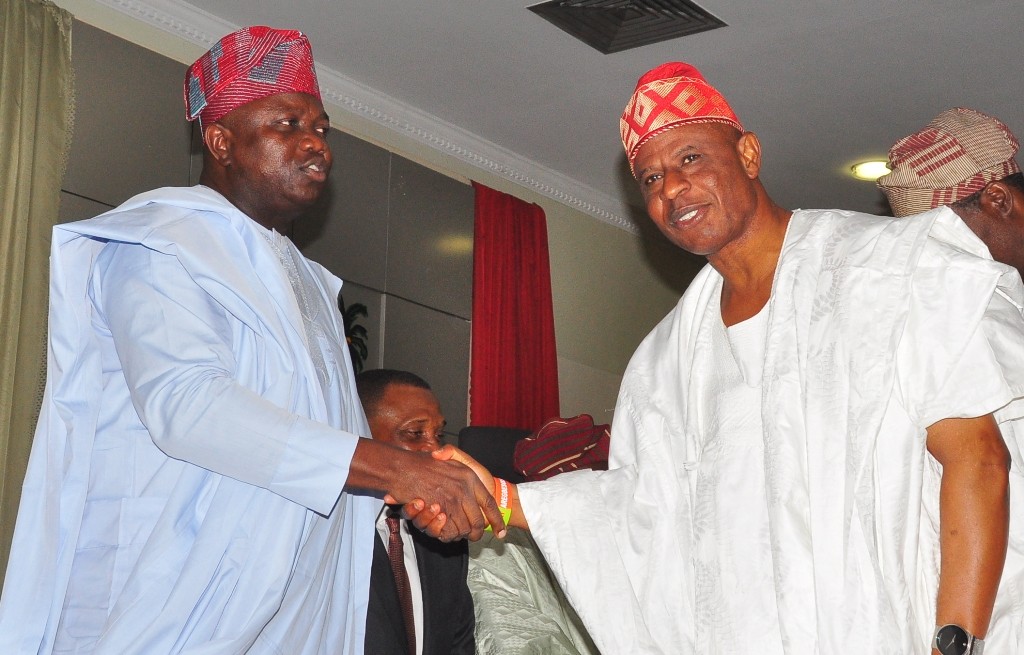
355	334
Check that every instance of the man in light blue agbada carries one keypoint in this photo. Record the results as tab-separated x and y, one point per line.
199	480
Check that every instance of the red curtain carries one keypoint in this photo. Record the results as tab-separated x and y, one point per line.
514	368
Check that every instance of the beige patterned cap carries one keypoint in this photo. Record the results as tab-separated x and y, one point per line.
954	156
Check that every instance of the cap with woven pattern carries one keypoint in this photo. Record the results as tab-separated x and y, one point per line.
246	65
956	155
668	96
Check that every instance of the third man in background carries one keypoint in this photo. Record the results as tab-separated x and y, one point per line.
403	411
963	159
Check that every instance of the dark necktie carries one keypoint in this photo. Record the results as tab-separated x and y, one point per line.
396	556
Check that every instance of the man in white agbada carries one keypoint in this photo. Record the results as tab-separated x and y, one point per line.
198	483
812	452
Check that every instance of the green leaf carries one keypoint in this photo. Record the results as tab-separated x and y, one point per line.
356	335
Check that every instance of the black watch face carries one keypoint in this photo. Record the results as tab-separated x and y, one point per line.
951	640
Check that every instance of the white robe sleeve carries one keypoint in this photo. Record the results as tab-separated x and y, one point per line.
611	539
960	357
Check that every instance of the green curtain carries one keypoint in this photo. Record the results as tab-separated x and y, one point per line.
36	109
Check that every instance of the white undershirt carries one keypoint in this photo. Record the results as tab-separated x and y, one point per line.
411	568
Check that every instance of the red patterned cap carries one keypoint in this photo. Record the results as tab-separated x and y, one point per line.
670	95
252	63
954	156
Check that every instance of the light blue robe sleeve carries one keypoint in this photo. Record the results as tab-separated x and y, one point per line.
177	348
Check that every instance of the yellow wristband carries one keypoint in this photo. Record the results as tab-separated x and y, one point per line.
506	514
501	496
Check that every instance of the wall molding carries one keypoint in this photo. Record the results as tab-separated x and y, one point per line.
202	28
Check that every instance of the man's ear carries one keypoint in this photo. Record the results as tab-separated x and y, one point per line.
998	199
749	149
217	140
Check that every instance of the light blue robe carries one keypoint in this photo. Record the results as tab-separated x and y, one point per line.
184	491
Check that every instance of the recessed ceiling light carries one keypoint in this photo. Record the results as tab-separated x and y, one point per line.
870	170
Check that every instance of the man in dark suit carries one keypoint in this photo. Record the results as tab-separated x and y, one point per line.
401	410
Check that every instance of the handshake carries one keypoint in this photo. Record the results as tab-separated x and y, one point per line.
485	502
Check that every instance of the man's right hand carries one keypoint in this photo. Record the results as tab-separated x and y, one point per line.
452	488
430	519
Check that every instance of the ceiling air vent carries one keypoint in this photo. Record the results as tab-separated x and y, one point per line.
617	25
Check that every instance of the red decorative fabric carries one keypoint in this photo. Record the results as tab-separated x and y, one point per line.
667	96
514	366
563	445
396	557
246	65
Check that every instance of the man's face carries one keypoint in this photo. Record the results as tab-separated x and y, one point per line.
698	183
408	417
279	159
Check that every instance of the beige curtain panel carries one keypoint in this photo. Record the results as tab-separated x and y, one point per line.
36	109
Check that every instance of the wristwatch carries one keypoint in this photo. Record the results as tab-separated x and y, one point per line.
951	639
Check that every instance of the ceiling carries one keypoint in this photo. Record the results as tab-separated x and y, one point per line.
823	83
